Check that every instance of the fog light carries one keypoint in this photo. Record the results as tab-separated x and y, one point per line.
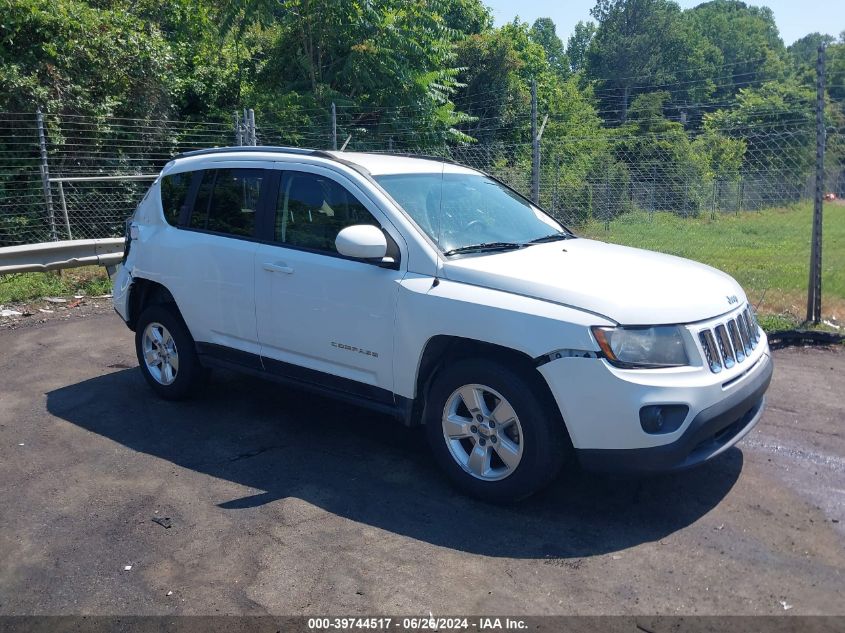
663	418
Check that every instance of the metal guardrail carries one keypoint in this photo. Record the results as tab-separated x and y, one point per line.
59	255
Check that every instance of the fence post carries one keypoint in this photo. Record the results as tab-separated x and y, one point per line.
239	139
253	138
45	174
555	196
535	147
334	127
713	206
651	202
64	209
814	288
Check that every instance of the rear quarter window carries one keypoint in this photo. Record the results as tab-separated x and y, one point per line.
174	195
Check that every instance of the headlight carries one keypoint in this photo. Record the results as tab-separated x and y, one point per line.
643	347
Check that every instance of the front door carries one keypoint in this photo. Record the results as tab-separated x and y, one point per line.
323	317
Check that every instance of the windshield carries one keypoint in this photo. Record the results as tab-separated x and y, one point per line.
458	211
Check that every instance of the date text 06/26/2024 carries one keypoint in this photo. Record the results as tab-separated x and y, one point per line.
424	623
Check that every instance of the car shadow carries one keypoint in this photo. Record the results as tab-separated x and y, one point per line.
368	468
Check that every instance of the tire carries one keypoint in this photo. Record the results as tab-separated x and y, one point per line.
525	455
161	334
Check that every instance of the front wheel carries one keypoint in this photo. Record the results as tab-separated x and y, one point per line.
494	431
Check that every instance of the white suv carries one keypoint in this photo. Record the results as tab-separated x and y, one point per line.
437	294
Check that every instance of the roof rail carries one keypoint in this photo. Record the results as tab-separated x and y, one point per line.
248	149
301	151
439	159
317	153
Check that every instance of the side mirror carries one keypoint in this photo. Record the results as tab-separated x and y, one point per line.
361	241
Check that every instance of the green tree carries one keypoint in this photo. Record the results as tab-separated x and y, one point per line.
493	89
835	73
665	169
642	45
70	58
544	32
86	65
467	17
776	121
804	51
208	67
578	44
748	39
390	61
498	68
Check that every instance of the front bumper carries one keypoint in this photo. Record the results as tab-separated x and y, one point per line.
713	431
601	405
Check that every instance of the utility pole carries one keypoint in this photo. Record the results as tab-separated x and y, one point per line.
814	288
535	147
45	174
334	127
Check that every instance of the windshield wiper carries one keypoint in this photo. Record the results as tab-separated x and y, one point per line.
554	237
486	246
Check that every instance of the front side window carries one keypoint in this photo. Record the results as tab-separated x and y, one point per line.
312	210
461	210
227	201
174	195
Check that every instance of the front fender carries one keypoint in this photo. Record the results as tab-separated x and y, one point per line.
533	327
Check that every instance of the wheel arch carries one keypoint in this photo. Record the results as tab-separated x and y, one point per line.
441	349
144	293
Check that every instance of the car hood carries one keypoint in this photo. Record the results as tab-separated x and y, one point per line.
629	285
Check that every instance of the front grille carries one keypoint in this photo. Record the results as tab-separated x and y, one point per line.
730	342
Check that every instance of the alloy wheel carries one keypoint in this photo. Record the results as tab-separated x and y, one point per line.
483	432
160	354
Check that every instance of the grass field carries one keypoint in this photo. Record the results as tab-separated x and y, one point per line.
89	280
768	252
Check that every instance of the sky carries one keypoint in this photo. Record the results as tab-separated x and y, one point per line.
795	18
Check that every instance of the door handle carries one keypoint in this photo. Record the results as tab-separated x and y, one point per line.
278	268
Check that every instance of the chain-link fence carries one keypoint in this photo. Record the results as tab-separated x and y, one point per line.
736	194
91	165
73	177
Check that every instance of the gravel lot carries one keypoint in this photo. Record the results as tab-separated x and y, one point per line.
285	503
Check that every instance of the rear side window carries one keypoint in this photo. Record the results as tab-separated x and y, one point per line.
199	216
174	195
227	201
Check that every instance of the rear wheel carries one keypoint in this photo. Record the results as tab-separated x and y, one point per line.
493	430
166	353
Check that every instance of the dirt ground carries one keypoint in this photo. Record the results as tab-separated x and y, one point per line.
37	312
284	503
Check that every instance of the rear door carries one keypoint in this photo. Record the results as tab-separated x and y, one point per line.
215	277
322	317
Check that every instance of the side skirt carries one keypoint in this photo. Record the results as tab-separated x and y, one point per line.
343	389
